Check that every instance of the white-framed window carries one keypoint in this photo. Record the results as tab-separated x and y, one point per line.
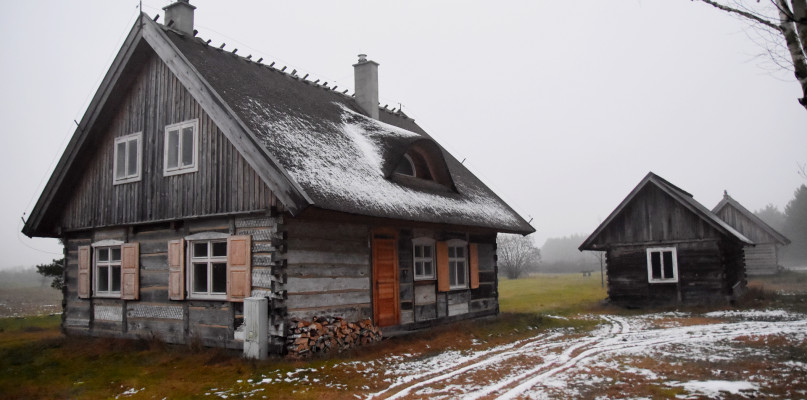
181	148
423	250
128	158
106	271
457	264
662	265
207	269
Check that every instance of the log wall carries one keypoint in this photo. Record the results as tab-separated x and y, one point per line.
707	271
224	182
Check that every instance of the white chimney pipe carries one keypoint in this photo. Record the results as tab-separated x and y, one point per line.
181	13
366	83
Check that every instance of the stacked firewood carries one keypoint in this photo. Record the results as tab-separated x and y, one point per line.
328	334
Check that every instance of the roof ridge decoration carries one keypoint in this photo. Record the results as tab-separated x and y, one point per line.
683	197
727	201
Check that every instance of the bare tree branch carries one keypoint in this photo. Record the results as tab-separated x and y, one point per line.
742	13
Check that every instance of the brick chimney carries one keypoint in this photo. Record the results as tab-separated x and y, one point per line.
366	83
181	13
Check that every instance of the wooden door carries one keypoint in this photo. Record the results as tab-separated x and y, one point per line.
385	281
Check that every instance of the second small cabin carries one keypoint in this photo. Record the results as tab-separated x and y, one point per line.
663	247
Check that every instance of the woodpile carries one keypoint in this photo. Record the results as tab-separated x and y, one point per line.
328	334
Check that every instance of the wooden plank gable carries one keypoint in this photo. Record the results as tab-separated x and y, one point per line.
224	182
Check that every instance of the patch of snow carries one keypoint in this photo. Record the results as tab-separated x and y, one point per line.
713	388
755	314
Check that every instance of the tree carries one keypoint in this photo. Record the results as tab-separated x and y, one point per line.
780	22
772	216
53	270
516	255
796	227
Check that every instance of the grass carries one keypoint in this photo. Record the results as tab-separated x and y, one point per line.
36	361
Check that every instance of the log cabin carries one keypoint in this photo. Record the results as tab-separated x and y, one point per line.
198	177
763	257
662	247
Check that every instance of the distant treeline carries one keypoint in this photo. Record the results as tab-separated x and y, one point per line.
560	255
793	224
22	277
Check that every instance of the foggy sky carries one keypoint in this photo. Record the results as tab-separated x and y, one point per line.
560	107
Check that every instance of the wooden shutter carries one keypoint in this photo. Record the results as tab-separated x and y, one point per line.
443	283
239	268
473	265
130	271
176	269
84	272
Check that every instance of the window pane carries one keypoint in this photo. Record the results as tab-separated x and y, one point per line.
114	254
418	268
460	273
103	279
187	146
120	160
200	249
172	149
220	249
427	251
115	278
103	254
200	277
451	252
418	251
668	264
427	268
131	161
460	252
655	263
220	277
452	273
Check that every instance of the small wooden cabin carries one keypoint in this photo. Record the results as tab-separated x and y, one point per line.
763	257
199	177
663	247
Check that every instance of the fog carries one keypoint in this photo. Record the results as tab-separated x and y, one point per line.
560	107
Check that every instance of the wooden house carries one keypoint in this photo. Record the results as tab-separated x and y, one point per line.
763	257
199	177
663	247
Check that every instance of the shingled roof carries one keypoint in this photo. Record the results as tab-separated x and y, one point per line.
730	202
313	146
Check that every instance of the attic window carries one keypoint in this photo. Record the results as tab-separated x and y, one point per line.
406	166
127	158
181	148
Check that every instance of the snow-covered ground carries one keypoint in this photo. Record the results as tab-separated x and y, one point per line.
724	354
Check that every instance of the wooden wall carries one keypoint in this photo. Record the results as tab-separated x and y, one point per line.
707	270
744	225
224	183
761	259
654	216
212	323
328	267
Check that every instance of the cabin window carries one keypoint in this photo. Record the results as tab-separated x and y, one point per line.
423	250
128	157
662	265
107	272
181	148
457	264
207	269
406	166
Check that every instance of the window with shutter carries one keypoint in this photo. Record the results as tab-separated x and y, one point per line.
84	272
107	271
176	269
130	271
239	268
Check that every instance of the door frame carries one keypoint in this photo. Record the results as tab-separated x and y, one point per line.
385	234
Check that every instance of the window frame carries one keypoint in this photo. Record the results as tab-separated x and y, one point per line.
107	245
209	259
424	242
452	263
134	137
661	251
181	169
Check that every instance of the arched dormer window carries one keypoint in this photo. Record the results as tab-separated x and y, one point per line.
406	166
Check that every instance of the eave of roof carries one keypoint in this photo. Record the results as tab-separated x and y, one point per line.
729	201
676	193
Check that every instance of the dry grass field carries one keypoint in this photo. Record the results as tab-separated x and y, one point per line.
553	339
